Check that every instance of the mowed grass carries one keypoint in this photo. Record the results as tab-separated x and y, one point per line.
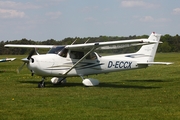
151	93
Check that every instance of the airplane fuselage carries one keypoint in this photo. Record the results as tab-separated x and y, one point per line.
55	65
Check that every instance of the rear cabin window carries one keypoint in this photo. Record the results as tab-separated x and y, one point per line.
91	56
76	54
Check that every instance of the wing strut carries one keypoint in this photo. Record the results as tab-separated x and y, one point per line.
74	41
86	41
65	73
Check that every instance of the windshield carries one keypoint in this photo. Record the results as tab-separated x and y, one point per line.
55	50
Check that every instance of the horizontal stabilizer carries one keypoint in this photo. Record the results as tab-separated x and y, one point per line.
154	63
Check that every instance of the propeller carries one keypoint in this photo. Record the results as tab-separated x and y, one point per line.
26	60
30	54
20	68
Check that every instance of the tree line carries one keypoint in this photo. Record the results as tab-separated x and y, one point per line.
170	44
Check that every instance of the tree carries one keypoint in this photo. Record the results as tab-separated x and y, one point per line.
164	47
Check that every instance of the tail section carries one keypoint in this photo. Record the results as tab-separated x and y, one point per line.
149	51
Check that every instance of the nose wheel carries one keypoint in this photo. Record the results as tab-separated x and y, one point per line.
42	83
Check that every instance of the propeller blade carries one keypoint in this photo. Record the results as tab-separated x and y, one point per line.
26	60
20	68
30	54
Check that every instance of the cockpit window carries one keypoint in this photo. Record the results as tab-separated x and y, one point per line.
63	53
55	50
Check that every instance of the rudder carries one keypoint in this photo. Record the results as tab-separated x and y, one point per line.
150	50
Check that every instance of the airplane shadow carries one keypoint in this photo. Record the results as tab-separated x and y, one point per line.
102	84
7	71
2	71
114	85
50	85
148	81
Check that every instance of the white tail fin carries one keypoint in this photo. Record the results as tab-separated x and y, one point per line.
149	50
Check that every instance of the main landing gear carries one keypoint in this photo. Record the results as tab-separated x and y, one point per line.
54	80
89	82
42	83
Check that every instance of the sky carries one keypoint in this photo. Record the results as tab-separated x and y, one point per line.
41	20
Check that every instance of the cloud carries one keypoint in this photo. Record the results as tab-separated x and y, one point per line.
163	20
56	0
147	19
7	13
151	19
54	15
90	9
17	5
176	11
90	19
137	3
52	0
110	22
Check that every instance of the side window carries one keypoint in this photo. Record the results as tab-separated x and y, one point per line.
76	54
91	56
63	53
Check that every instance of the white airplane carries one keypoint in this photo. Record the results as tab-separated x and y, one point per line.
7	59
82	60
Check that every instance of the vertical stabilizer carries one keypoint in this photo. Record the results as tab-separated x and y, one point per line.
150	50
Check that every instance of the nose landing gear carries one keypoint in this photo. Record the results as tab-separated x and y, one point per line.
42	83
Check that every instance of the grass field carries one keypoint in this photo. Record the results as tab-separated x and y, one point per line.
151	93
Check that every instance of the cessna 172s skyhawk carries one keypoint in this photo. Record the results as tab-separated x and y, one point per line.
82	60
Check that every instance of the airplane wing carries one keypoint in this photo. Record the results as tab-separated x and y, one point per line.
7	59
112	44
120	46
88	46
28	46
